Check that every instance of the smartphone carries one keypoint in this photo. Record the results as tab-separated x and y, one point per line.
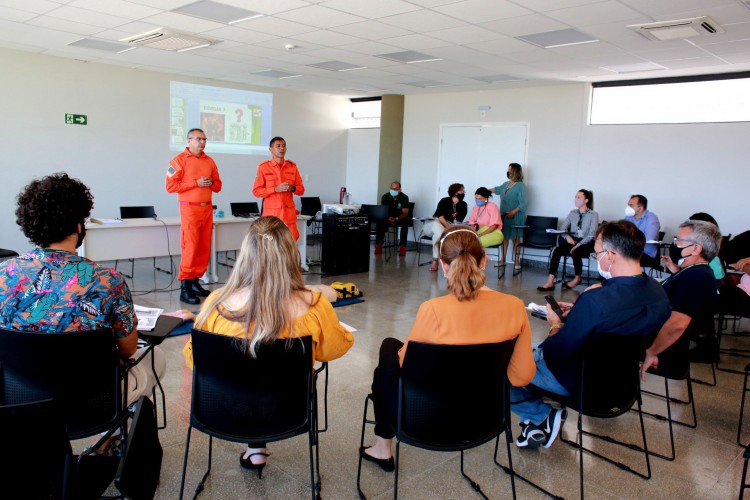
555	306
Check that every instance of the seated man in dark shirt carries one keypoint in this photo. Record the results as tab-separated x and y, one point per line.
692	293
627	303
398	214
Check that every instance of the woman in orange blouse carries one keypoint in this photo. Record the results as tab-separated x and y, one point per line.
457	318
265	299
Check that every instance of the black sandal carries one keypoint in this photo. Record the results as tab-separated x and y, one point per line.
387	464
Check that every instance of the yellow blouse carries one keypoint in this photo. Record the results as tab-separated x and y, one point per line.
330	339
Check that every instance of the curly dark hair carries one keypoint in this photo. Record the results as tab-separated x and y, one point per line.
50	208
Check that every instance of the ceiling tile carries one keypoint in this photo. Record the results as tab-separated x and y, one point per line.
670	8
137	27
433	3
182	22
327	38
371	9
547	5
276	26
16	15
321	17
596	13
698	62
88	17
371	30
687	51
119	8
503	46
238	35
425	19
36	6
63	25
414	42
477	11
371	48
534	23
464	35
267	7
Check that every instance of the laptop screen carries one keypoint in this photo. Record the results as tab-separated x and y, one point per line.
244	208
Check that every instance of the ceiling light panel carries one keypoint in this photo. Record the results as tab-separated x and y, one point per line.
408	57
558	38
214	11
336	66
90	43
274	73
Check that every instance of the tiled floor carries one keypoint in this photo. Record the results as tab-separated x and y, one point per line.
708	464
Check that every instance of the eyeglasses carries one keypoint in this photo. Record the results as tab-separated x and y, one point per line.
676	239
595	255
199	139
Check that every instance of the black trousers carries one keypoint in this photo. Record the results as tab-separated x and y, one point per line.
383	227
385	389
562	249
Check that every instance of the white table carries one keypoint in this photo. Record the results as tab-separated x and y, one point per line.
139	238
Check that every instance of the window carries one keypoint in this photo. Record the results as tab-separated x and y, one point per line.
700	99
366	112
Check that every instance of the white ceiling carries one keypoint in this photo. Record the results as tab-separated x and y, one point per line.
474	38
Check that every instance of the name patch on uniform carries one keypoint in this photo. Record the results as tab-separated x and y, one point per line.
170	171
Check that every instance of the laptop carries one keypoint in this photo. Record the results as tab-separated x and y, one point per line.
245	210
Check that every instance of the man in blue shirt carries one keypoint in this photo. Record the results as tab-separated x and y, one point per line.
627	303
648	223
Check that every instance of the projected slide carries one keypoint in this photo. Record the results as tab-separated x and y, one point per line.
235	121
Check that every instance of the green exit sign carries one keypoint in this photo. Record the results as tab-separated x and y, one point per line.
72	119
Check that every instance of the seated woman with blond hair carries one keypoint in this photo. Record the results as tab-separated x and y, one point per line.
459	318
265	299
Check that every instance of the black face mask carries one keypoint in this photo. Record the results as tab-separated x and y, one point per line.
675	252
460	196
81	235
507	174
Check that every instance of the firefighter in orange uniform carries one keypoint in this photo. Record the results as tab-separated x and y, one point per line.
193	175
277	182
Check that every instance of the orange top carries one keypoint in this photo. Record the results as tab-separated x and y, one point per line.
271	174
445	320
185	169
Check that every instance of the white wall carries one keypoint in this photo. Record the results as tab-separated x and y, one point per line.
363	150
681	169
122	154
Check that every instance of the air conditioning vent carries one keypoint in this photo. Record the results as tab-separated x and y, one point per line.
680	28
172	40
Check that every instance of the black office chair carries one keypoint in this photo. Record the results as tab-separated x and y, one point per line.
443	408
378	214
674	364
38	457
6	254
535	236
141	212
610	386
240	398
654	263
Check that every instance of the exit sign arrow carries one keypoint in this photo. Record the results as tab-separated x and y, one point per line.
72	119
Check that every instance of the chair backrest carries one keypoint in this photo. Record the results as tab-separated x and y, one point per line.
80	371
240	398
453	397
243	208
310	205
143	212
662	234
610	374
38	459
410	217
6	254
138	473
536	234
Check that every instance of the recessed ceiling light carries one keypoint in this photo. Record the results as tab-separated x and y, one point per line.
409	57
274	73
558	38
336	66
90	43
496	78
428	84
214	11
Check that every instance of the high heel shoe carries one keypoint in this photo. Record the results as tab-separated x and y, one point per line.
247	463
545	288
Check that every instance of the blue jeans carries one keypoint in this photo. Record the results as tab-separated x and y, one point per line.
530	406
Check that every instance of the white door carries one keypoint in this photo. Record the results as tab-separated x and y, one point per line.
478	155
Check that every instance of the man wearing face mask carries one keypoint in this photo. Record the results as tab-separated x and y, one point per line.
692	293
398	213
450	210
53	290
627	303
648	223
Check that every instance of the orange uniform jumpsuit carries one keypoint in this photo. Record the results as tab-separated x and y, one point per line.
270	175
196	211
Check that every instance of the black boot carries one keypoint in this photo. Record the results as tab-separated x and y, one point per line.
187	295
198	289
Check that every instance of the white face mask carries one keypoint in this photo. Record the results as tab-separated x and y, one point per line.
629	211
604	274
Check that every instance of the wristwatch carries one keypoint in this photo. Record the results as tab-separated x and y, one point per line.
294	188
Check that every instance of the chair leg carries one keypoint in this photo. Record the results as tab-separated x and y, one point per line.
200	486
473	483
743	483
713	376
184	462
368	398
312	463
742	411
509	468
163	397
395	476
